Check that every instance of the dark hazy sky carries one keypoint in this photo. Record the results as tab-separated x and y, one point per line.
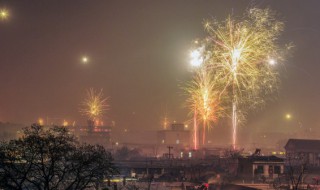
138	53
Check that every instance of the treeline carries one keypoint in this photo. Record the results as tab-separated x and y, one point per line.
51	158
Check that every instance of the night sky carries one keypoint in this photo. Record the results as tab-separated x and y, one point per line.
138	53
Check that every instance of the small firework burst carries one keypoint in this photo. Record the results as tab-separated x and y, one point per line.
203	101
94	105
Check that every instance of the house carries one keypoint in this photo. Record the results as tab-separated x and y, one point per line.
258	166
306	148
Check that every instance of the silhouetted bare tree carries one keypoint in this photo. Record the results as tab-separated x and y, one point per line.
296	169
52	159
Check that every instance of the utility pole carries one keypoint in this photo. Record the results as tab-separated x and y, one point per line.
170	147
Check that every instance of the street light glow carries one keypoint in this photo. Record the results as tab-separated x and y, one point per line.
65	123
40	121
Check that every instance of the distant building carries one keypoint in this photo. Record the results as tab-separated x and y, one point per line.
176	135
258	166
308	149
177	127
134	138
96	135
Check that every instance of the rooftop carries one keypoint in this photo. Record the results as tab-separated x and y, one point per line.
263	159
305	145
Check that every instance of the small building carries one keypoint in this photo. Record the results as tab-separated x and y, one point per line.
177	135
307	148
260	166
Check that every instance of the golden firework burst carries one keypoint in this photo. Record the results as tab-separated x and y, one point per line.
240	54
94	105
203	100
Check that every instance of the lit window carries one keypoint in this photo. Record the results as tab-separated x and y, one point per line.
177	141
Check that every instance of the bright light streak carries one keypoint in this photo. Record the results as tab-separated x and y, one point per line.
234	125
195	130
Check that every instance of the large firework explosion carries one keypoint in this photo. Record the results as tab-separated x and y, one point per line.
94	105
240	54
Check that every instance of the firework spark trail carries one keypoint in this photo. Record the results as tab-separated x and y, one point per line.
234	125
95	105
195	128
238	53
202	101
